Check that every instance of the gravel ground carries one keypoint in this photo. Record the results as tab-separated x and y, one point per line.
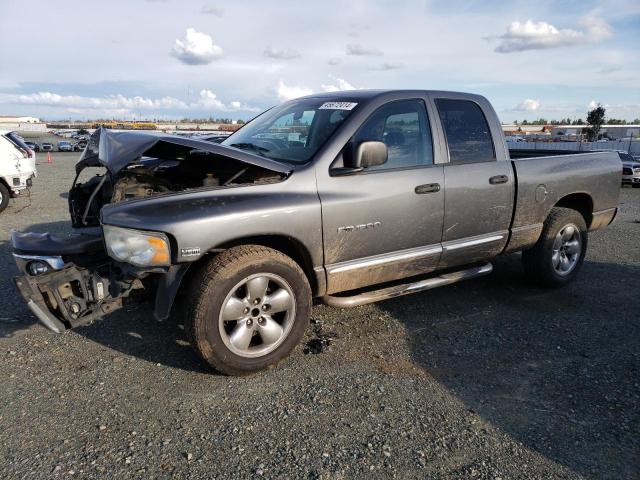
491	378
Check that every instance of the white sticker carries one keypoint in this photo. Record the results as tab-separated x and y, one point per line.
338	106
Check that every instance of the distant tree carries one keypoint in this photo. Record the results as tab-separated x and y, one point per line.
240	121
83	131
595	120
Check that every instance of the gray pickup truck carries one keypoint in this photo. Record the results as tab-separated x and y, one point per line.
347	198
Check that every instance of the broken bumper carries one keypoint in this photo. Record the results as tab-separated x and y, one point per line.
67	298
37	305
63	294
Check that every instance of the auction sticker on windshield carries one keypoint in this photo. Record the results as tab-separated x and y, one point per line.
337	106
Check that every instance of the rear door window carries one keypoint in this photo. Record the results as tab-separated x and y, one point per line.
466	130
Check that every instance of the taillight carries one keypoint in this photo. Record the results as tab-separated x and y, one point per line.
29	153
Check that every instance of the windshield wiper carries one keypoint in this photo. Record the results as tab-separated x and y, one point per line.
249	146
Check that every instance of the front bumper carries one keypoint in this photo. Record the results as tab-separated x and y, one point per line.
79	284
37	305
67	298
631	179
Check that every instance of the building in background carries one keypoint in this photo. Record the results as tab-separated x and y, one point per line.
9	119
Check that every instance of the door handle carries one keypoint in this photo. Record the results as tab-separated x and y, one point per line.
427	188
498	179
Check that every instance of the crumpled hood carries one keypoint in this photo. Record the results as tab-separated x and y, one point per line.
116	150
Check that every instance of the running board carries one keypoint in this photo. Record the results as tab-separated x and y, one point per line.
406	288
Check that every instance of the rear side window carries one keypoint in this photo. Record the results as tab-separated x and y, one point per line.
17	141
466	130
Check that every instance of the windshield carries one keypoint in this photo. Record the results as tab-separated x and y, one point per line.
292	132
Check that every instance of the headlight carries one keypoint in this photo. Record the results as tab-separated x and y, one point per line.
142	249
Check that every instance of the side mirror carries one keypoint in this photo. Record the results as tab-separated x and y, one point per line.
367	154
370	154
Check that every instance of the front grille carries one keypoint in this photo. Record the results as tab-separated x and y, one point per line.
636	171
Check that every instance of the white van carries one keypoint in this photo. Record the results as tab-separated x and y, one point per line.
17	167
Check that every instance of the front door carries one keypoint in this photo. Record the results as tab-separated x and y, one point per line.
385	222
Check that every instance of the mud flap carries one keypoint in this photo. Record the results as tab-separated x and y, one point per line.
69	297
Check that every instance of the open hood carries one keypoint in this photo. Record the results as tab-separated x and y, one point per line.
116	150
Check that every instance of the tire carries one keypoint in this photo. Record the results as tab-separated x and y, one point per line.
559	253
230	301
4	196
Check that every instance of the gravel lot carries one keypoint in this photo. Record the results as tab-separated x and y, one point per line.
492	378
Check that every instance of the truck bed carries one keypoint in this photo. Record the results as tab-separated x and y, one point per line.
543	181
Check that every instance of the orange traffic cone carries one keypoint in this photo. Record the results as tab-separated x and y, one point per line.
49	157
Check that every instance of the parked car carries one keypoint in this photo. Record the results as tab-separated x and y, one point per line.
65	146
630	169
33	146
79	146
46	147
337	196
17	167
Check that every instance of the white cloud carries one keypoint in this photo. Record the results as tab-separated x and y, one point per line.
532	35
213	10
360	50
338	85
593	104
196	48
334	61
288	92
208	99
528	105
281	53
119	104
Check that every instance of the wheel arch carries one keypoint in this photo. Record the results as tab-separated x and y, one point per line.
580	202
290	246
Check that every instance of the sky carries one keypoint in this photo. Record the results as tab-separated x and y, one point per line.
170	59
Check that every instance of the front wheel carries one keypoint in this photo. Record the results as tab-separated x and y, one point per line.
249	308
559	253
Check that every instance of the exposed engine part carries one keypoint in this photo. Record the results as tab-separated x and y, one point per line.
131	185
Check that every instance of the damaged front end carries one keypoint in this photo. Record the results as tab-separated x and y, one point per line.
72	281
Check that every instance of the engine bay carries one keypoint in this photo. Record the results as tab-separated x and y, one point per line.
153	174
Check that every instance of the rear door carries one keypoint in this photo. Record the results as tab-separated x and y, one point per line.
385	222
478	180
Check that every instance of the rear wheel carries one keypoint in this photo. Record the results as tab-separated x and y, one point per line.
559	253
4	196
249	308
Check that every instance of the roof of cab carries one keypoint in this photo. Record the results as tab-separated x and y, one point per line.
367	94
